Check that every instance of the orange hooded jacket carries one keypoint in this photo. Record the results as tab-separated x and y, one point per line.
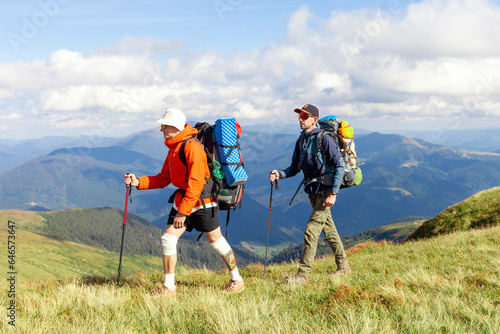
191	179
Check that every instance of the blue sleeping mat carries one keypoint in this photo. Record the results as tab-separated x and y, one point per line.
229	154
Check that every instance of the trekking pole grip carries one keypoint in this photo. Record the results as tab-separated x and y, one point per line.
129	186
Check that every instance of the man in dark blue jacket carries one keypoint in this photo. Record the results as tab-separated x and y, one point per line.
323	175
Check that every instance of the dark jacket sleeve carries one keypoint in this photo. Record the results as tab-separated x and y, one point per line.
335	160
294	168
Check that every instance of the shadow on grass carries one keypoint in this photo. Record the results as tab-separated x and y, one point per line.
137	279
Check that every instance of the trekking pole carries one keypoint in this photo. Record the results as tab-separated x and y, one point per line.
128	193
275	183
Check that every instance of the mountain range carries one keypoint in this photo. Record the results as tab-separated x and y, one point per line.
402	176
14	153
482	140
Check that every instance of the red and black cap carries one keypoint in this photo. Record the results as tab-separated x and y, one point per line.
308	109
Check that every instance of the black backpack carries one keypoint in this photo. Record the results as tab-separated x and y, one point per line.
343	134
228	198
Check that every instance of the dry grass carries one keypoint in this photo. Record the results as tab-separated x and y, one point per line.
449	284
367	245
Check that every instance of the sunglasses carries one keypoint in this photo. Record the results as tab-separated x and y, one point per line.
304	117
163	126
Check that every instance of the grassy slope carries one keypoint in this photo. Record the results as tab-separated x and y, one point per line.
27	220
480	210
392	232
447	284
42	257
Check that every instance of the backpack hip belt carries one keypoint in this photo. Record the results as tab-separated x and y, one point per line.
325	179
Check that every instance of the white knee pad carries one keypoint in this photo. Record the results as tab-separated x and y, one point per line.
221	246
169	244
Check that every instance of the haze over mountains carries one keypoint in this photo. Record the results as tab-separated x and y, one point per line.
402	176
13	153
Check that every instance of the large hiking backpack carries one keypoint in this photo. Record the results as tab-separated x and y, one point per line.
227	173
343	133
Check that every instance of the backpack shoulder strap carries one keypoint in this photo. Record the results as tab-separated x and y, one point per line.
301	150
320	136
182	156
182	153
320	142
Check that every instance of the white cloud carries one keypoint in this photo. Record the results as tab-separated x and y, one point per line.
444	76
433	59
6	94
72	124
298	26
11	116
65	68
324	81
451	28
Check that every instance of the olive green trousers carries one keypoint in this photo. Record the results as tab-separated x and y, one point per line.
320	221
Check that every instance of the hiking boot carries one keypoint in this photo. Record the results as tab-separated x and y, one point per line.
235	286
297	279
163	291
346	269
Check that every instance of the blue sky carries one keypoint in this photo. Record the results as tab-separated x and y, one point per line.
227	25
70	67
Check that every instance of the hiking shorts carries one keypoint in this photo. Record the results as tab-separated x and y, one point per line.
203	220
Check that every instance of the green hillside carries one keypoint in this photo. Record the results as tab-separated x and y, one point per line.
76	242
395	232
402	288
102	228
478	211
40	257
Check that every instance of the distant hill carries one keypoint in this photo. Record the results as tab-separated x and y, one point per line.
395	232
102	228
5	155
478	211
16	152
457	138
74	178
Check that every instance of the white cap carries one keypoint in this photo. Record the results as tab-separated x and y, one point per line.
174	117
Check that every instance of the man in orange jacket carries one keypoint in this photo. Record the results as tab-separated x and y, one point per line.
188	210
